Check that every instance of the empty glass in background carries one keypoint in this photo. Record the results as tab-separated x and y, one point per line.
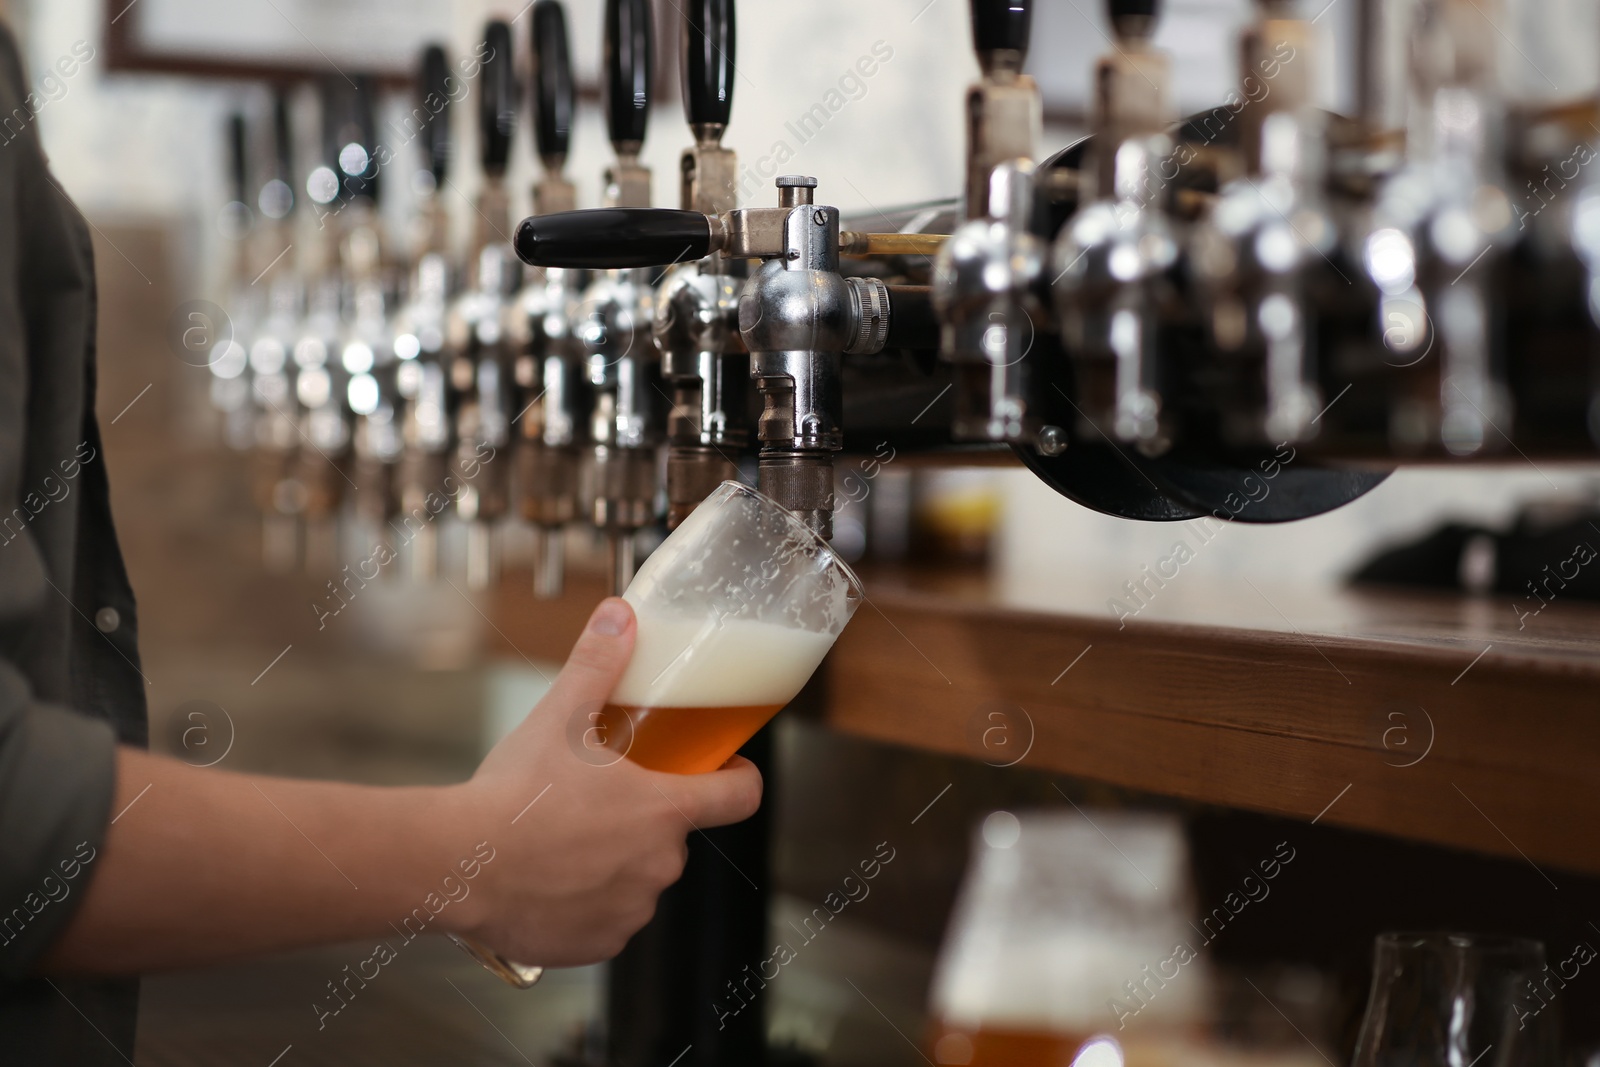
1059	921
1453	1000
735	611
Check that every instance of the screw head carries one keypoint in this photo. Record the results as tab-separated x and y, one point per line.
1052	441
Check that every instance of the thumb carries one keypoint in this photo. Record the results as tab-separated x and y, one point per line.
599	657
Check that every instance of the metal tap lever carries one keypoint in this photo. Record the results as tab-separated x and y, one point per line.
547	371
614	237
1003	109
619	489
621	237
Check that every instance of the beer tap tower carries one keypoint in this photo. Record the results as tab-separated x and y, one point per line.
481	363
1115	263
420	330
987	274
621	359
1440	224
342	188
1263	257
279	496
697	305
551	390
366	351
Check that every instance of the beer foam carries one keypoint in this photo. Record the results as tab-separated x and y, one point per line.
1068	925
688	662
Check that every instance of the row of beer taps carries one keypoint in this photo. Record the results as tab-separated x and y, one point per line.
407	395
1261	279
1189	294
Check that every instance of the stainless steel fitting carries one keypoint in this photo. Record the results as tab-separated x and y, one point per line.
984	281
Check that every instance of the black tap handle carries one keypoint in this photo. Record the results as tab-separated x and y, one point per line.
708	72
497	103
282	139
614	237
1141	12
629	68
1001	25
434	88
238	158
552	82
364	116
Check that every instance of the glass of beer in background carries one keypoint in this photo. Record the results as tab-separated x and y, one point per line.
1063	949
735	611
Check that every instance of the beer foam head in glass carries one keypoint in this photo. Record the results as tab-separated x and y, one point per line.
1070	944
735	611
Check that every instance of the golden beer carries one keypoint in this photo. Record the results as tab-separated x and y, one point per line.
682	740
990	1047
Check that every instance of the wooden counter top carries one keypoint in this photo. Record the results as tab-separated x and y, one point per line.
1432	717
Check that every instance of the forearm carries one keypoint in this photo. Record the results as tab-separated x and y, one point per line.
204	865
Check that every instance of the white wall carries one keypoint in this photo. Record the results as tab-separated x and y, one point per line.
145	146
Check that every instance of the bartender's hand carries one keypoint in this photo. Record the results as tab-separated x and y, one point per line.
578	872
203	865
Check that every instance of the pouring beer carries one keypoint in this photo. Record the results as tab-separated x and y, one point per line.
733	613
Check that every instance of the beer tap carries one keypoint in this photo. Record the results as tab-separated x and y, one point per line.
341	189
619	479
419	343
1263	257
798	316
366	350
547	371
279	496
230	385
1438	235
703	357
481	364
1115	262
986	275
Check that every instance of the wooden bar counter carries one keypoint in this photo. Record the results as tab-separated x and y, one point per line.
1425	716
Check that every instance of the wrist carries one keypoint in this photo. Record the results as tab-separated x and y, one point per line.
456	889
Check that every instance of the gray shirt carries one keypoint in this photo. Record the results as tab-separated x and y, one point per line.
69	689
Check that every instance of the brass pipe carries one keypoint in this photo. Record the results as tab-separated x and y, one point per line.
852	243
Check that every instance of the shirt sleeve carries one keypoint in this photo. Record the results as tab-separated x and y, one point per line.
57	774
57	767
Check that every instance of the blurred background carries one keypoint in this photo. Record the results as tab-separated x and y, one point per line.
412	681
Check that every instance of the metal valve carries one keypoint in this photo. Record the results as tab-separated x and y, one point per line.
1436	244
618	481
703	357
1263	257
548	372
1114	261
984	283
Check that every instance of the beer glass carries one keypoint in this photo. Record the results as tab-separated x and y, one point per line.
734	612
1448	1000
1070	943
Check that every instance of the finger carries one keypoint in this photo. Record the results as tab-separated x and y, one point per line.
721	797
598	659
